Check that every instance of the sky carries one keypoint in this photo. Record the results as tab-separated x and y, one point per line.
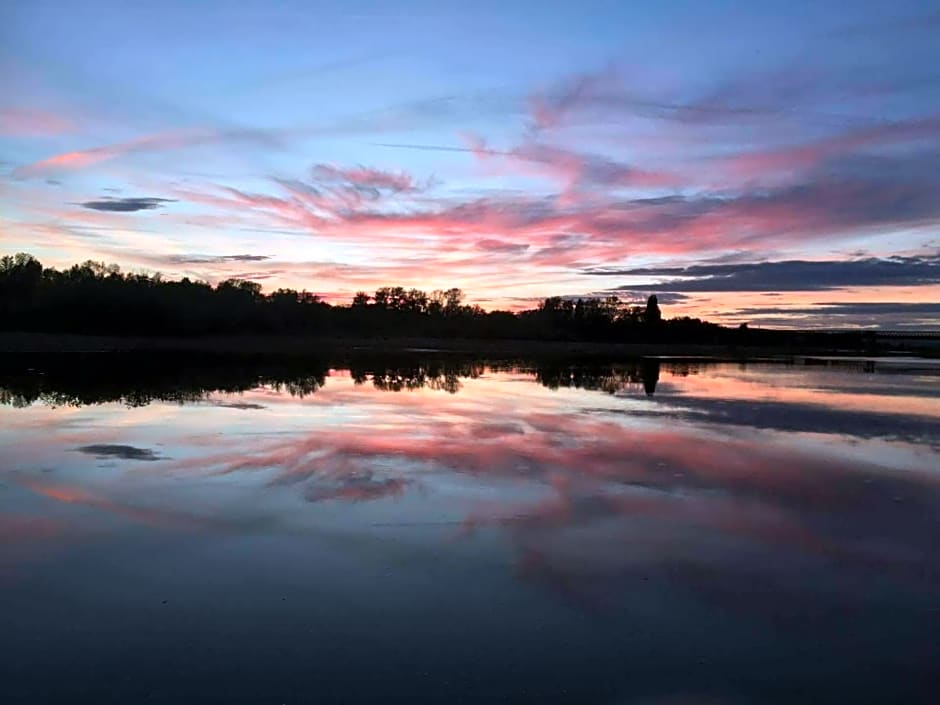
776	162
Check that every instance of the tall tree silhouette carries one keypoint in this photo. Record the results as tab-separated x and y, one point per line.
653	315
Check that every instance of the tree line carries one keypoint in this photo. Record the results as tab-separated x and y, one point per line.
98	298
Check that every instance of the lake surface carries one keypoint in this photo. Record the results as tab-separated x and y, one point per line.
427	531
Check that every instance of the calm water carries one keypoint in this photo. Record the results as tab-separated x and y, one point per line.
654	532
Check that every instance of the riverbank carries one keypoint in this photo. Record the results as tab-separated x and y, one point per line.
45	343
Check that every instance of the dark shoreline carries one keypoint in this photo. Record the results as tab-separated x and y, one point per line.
260	345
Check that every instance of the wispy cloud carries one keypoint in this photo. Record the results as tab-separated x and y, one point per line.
896	315
541	159
804	156
572	229
213	259
171	140
905	308
440	148
27	122
612	96
364	177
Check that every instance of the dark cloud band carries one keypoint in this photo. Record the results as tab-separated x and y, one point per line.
126	205
789	275
214	259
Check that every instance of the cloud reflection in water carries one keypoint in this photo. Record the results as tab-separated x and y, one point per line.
763	495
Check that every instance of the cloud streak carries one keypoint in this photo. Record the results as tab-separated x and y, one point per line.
364	178
159	142
213	259
27	122
126	205
123	452
790	275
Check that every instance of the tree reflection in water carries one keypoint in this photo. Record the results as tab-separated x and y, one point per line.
137	379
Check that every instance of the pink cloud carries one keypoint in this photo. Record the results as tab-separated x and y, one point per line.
71	494
365	177
574	231
574	169
798	157
162	141
743	493
24	122
549	108
423	236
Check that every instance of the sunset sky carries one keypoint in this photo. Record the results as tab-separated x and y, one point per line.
771	162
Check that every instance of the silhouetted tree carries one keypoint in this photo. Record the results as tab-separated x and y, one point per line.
98	298
653	315
452	300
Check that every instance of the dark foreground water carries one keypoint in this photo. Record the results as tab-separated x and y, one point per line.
423	532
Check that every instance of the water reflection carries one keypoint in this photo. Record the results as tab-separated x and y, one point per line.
137	380
448	530
847	397
444	375
610	379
